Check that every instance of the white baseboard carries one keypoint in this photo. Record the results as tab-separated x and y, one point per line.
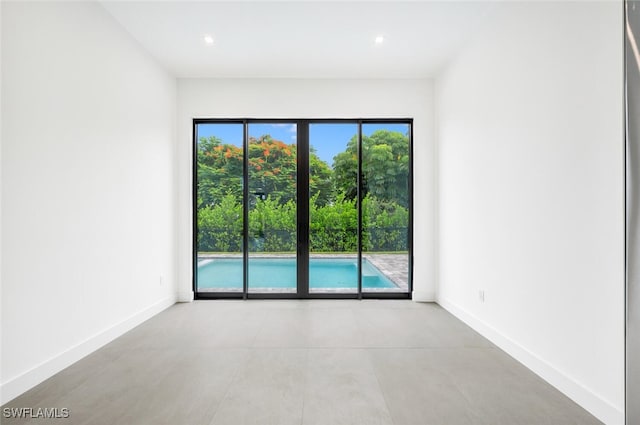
185	296
423	296
18	385
585	397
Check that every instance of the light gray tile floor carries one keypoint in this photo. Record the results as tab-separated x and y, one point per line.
321	362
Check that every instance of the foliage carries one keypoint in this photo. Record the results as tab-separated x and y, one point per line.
219	171
385	167
272	226
320	179
272	168
333	204
384	225
333	227
272	171
220	226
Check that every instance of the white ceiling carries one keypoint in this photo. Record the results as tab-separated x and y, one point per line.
300	39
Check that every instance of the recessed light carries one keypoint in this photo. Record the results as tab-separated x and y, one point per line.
379	39
208	39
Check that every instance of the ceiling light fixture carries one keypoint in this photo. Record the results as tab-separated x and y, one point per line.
208	39
379	39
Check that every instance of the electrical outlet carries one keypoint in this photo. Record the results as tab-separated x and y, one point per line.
161	280
481	295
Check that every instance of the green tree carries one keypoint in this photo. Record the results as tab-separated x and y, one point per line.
272	171
385	167
272	168
219	171
333	208
321	185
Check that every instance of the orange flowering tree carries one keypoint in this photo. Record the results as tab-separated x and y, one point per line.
272	171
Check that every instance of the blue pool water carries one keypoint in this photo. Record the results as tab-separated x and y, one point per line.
326	273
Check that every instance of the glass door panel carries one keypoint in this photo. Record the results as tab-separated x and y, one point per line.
385	207
333	208
219	166
350	233
272	176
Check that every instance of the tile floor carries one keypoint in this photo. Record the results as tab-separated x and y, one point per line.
317	362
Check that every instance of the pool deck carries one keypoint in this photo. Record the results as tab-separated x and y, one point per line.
394	266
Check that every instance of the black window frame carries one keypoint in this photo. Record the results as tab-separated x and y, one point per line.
302	256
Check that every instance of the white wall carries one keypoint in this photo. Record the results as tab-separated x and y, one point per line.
1	322
88	218
270	98
530	150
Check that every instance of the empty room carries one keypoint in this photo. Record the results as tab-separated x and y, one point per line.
320	212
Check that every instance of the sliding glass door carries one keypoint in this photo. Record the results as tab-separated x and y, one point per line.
302	208
218	200
385	207
272	206
333	208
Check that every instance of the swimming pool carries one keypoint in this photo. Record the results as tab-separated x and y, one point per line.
324	273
